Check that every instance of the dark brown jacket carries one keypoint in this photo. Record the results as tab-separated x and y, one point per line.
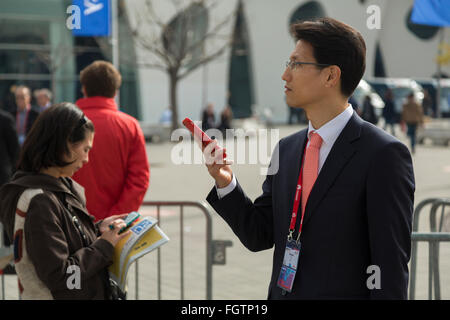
53	242
412	113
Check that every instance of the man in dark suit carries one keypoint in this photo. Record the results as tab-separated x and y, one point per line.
9	151
350	184
9	146
25	114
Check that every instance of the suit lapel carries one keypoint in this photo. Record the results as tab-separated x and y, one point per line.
341	152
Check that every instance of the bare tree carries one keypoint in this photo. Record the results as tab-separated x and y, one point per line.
55	58
182	44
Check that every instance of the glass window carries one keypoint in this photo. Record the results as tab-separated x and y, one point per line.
24	31
22	61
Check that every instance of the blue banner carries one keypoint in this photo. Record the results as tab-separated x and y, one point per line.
431	12
95	18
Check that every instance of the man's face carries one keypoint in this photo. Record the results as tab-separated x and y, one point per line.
303	82
23	98
42	99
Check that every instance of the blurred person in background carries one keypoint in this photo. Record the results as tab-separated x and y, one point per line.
354	103
44	211
24	114
8	103
412	116
43	98
368	111
166	117
389	111
208	117
295	113
117	175
9	146
9	153
225	120
427	104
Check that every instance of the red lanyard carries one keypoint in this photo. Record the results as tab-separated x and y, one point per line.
23	129
298	194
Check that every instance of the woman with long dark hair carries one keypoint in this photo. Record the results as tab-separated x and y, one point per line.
59	252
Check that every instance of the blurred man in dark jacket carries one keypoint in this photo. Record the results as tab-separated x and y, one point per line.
9	151
9	146
24	113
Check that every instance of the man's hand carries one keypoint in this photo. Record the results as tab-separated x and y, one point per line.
218	167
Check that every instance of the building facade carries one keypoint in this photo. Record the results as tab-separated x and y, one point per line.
246	76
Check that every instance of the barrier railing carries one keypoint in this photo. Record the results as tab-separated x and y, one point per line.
215	249
433	238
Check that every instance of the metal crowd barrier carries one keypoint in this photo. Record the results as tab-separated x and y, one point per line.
433	238
215	249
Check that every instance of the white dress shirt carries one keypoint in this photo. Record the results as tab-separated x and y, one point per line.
329	132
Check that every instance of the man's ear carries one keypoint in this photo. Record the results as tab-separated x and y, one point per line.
83	91
333	75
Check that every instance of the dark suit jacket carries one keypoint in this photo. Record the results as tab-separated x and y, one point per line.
359	214
9	146
32	116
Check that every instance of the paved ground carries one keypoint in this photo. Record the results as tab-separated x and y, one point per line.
246	274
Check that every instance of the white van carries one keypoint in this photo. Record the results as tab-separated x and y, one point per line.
400	87
362	90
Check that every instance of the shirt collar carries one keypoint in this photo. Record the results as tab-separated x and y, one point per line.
331	130
97	102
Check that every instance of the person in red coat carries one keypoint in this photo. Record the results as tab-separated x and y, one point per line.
117	175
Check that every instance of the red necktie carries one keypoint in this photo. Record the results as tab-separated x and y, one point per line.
311	166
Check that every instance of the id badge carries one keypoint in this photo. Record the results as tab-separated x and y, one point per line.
289	268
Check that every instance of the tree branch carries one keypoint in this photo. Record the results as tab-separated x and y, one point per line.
213	32
204	60
153	46
154	17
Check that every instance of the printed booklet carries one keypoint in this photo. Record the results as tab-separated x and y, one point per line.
145	236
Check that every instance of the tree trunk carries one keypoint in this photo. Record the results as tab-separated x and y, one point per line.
173	98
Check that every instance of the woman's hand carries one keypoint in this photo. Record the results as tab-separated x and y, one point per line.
104	226
112	234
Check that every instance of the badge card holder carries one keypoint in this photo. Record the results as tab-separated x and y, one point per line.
292	251
290	264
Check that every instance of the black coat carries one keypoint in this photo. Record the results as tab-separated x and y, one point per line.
359	214
9	146
32	116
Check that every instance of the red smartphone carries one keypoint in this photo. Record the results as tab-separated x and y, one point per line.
199	134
